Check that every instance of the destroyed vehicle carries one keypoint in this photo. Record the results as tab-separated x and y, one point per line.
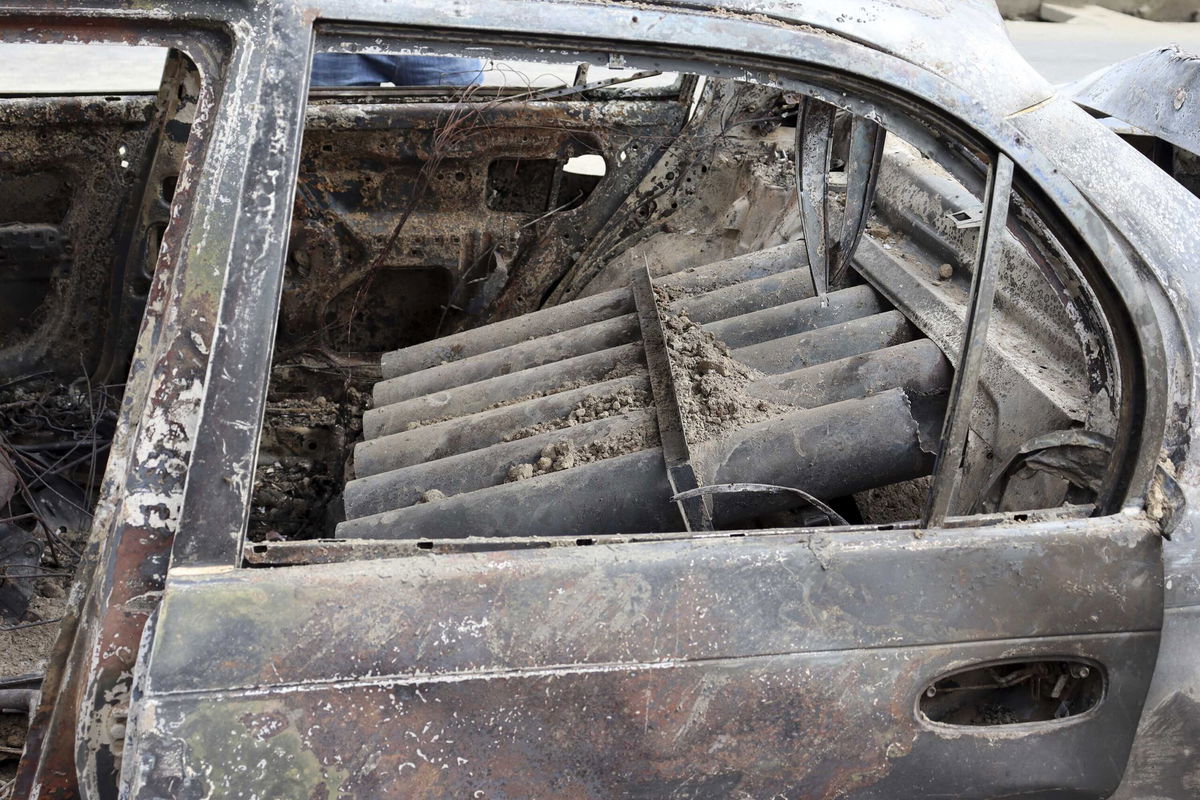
738	400
1144	100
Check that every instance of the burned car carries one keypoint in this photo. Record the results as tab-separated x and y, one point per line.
794	400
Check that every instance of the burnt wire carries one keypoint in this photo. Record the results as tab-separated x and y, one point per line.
34	624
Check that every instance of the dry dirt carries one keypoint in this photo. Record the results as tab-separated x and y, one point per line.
591	408
305	444
899	502
24	651
564	454
710	384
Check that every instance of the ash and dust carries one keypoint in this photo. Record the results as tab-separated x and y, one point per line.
712	387
306	443
565	454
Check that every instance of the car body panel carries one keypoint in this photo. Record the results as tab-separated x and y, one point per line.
178	485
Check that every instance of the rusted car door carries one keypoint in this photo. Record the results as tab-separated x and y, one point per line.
776	665
1004	657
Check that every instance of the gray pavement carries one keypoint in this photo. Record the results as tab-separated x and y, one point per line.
1094	38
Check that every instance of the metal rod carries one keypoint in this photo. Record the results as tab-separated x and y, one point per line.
390	415
739	269
796	317
828	344
814	135
746	297
507	332
965	385
832	451
717	288
591	338
918	367
464	432
695	512
18	701
862	174
474	469
543	364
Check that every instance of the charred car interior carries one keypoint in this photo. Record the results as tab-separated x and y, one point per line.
737	422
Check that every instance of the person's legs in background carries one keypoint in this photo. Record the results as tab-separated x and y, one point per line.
356	69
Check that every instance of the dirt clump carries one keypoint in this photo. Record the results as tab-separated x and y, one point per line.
591	408
565	454
710	384
301	464
519	472
897	502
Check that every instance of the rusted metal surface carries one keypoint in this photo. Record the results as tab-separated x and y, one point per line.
681	176
696	513
331	551
1157	91
129	567
140	236
117	571
807	583
467	234
521	257
695	672
669	730
132	538
201	365
60	165
964	388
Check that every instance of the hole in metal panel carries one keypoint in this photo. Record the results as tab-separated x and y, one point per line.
1014	693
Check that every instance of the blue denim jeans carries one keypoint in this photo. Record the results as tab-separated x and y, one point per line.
353	69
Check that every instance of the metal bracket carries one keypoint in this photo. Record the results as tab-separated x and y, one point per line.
20	555
814	135
829	252
695	509
970	363
970	217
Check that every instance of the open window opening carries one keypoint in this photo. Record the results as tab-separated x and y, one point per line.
776	306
